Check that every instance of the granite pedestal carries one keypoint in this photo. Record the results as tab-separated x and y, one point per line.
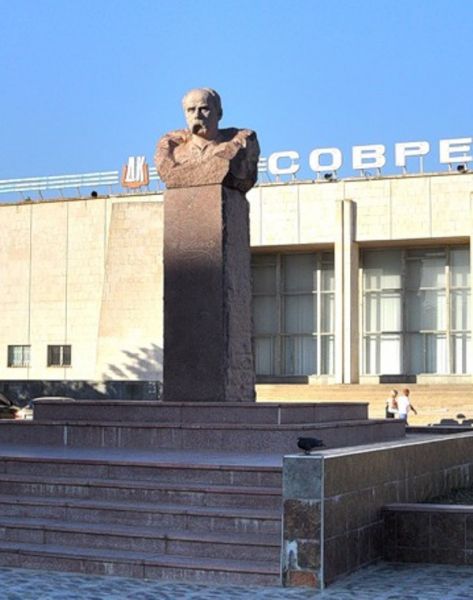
207	296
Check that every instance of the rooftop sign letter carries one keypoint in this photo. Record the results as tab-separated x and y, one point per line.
314	159
273	163
404	149
449	148
372	156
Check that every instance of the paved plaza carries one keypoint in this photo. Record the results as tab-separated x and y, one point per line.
379	582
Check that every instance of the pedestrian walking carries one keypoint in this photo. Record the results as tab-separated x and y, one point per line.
404	405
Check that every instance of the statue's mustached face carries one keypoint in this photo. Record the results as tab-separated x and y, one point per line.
198	127
201	114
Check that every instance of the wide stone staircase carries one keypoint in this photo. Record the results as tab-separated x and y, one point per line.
175	516
176	491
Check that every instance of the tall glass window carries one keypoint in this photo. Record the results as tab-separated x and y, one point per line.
416	311
293	313
265	313
382	312
459	313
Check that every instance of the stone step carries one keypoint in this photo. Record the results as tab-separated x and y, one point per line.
139	564
223	436
142	470
141	491
173	514
191	413
142	539
233	519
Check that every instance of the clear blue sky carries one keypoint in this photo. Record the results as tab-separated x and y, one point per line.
86	83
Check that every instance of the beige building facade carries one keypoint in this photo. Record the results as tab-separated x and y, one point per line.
356	280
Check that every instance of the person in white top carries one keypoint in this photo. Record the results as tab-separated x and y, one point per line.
404	405
391	405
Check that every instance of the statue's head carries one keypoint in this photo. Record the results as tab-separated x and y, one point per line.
203	110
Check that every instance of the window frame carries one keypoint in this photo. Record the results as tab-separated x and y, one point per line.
406	333
323	294
62	349
25	356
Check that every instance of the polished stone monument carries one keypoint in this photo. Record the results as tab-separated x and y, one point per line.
207	279
209	510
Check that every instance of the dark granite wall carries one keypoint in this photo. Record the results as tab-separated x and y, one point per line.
348	489
428	533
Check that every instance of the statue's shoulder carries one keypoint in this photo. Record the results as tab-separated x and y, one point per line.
232	133
175	138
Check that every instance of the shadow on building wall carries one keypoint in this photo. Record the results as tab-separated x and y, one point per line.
138	376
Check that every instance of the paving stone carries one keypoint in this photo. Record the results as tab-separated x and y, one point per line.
383	581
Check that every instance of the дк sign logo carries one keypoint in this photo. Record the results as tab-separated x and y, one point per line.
135	173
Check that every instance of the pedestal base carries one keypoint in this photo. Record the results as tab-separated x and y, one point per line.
232	427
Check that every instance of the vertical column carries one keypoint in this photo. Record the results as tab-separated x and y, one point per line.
350	295
303	522
339	313
207	296
470	349
346	290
